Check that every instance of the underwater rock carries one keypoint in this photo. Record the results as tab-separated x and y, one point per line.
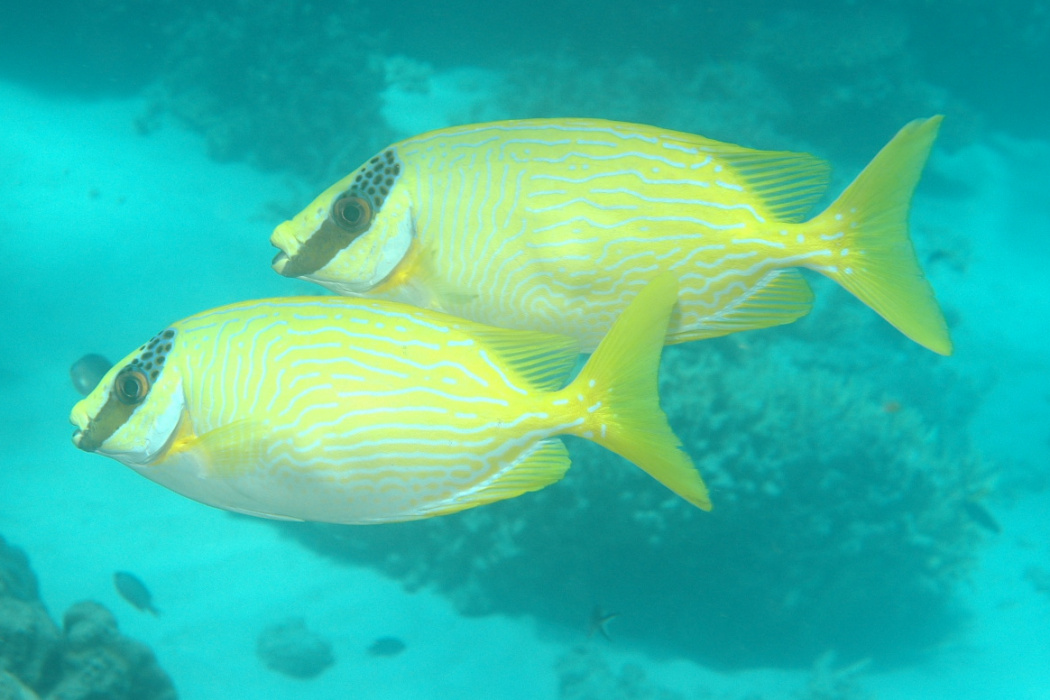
800	81
12	689
29	640
828	681
16	578
724	99
290	648
88	660
262	85
99	662
89	624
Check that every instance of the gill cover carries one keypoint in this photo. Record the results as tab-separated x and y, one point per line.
133	412
353	235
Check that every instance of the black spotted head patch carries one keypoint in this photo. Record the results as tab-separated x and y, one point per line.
351	214
376	178
150	359
130	388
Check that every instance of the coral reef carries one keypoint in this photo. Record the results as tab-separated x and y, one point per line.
584	675
288	647
285	85
830	682
850	67
791	80
97	661
12	689
839	476
86	48
86	660
293	85
727	100
297	86
998	81
30	643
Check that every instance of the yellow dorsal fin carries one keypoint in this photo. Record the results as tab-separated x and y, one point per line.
543	359
545	464
782	296
788	184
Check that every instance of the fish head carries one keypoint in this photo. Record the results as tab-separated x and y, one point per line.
353	236
135	411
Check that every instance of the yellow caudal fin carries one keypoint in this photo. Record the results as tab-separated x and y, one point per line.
619	386
868	228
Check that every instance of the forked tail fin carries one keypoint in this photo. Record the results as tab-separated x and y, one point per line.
619	384
869	224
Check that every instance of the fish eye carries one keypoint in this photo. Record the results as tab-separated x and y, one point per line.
352	213
131	387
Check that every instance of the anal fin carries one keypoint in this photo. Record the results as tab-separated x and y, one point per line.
545	464
781	297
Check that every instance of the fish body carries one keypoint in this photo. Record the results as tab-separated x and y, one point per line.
88	371
599	622
362	411
134	591
555	225
386	646
981	515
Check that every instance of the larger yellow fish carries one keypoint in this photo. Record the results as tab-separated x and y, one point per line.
555	225
366	411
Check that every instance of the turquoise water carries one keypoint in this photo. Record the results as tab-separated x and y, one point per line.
880	526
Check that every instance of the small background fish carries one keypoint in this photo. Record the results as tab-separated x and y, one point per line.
386	646
134	591
981	515
88	371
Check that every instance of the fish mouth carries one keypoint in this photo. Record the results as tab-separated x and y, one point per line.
81	429
279	261
79	437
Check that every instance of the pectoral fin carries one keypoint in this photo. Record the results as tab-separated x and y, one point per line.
228	451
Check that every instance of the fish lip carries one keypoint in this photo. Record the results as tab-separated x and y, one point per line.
279	261
80	433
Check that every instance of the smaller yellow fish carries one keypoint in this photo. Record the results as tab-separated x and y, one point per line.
365	411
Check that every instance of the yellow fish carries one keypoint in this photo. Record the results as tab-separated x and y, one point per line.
367	411
555	224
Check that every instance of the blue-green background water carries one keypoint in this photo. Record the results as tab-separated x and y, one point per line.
147	151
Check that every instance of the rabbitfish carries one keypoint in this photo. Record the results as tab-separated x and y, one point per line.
556	224
364	411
